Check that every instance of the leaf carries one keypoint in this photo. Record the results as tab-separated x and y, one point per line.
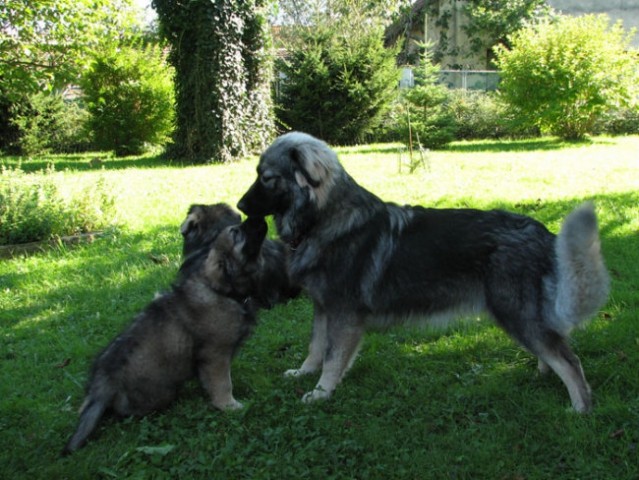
161	450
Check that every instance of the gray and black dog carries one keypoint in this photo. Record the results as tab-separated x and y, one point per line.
370	264
193	329
202	225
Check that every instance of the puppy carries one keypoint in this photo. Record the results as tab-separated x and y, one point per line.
193	329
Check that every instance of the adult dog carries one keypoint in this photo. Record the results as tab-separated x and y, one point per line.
195	328
369	264
202	225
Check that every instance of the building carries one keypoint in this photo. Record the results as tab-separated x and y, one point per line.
443	23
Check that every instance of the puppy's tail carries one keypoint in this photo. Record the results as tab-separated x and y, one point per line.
582	279
91	412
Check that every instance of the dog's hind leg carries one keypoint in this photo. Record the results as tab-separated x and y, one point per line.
343	342
316	348
560	358
554	354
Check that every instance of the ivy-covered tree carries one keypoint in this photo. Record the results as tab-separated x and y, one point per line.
220	52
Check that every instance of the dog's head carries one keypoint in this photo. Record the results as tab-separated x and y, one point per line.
203	223
295	178
233	262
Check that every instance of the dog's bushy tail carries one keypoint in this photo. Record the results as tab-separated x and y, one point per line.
91	412
582	279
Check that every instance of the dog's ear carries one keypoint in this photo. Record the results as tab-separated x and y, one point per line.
307	166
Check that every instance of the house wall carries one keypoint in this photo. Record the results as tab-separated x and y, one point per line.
625	10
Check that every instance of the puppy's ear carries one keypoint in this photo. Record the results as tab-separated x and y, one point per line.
307	166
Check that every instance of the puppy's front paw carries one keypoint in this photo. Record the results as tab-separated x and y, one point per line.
315	395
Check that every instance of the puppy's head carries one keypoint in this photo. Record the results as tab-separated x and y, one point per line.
203	223
233	263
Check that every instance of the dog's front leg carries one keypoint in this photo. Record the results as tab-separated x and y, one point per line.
214	372
316	348
343	342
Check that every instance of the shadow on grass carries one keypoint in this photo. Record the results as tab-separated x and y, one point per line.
90	162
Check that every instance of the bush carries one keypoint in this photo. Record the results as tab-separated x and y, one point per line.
619	121
563	76
46	123
32	207
129	93
482	115
337	85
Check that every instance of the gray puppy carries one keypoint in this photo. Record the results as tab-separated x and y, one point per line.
194	329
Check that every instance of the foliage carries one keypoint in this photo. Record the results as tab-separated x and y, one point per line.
482	115
619	121
424	117
323	12
220	52
337	84
577	68
44	44
44	47
129	93
45	122
490	22
33	208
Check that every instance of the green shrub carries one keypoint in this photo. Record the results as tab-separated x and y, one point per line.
46	123
482	115
619	121
337	85
129	93
563	76
32	207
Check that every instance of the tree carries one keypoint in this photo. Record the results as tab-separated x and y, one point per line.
44	44
424	119
220	52
129	94
339	77
562	76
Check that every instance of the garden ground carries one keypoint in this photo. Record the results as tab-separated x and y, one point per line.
463	403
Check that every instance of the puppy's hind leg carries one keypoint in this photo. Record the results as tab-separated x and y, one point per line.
316	348
342	347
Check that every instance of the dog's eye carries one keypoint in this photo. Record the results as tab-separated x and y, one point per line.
268	179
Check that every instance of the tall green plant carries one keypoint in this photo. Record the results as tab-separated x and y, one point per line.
337	84
129	93
45	122
425	118
563	76
220	52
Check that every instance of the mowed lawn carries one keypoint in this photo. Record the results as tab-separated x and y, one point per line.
464	403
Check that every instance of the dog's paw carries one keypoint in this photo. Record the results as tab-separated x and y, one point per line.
232	405
295	372
315	395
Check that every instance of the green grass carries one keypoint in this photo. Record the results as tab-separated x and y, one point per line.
461	404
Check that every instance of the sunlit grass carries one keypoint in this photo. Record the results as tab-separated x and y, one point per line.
461	403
